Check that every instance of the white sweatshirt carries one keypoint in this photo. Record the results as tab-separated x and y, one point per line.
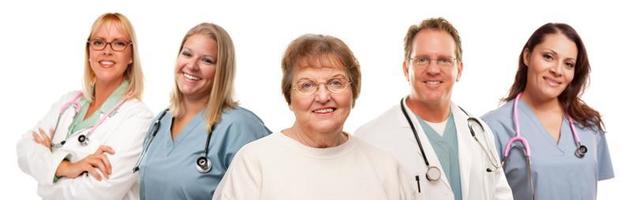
277	167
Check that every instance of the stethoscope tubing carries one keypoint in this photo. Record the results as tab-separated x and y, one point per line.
83	138
412	127
433	173
203	164
579	152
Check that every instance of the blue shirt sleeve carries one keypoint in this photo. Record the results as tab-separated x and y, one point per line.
242	128
603	159
500	131
497	129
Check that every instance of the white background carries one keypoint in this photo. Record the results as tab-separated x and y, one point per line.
42	53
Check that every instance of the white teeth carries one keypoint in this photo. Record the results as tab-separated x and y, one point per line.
432	82
106	62
191	77
324	110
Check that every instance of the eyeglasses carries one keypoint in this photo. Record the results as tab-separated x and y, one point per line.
424	61
116	45
309	87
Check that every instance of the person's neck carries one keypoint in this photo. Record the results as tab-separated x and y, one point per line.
191	107
103	90
194	105
432	112
316	139
542	105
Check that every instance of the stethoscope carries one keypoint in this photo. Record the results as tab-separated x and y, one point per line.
580	152
433	173
84	137
202	164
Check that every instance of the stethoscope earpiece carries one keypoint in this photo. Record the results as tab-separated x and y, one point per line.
581	151
203	164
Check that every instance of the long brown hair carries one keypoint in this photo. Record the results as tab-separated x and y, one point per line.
574	106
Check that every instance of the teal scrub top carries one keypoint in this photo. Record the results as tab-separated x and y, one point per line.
557	173
168	170
446	147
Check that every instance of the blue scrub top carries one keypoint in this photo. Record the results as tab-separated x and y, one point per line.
446	148
168	170
557	172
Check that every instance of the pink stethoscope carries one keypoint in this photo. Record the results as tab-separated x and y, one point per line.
580	152
83	138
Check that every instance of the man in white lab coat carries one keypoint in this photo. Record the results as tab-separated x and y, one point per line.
447	154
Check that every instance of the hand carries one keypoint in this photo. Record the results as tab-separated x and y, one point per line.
96	164
42	138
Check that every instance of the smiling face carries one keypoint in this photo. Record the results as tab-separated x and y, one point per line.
109	66
196	66
323	111
432	84
550	66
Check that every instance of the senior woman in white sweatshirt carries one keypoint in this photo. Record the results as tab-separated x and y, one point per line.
315	158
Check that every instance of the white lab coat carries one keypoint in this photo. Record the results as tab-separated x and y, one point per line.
123	131
392	132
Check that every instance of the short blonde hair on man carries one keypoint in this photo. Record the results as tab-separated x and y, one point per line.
313	47
439	24
221	93
133	73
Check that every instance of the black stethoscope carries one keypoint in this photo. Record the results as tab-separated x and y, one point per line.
202	164
433	173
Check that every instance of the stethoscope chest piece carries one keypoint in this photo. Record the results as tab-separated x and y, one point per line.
581	151
433	173
83	140
203	164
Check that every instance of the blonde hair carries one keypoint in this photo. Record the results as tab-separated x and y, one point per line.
221	93
439	24
133	73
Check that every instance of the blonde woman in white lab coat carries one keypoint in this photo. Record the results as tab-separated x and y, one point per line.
85	147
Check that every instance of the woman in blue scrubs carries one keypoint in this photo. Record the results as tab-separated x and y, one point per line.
565	137
190	145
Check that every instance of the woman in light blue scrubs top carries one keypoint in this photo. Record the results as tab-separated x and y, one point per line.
553	70
201	104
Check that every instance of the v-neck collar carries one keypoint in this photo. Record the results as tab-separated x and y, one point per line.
79	123
188	128
449	127
525	110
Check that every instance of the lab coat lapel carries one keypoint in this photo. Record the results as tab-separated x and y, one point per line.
466	149
430	153
65	120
